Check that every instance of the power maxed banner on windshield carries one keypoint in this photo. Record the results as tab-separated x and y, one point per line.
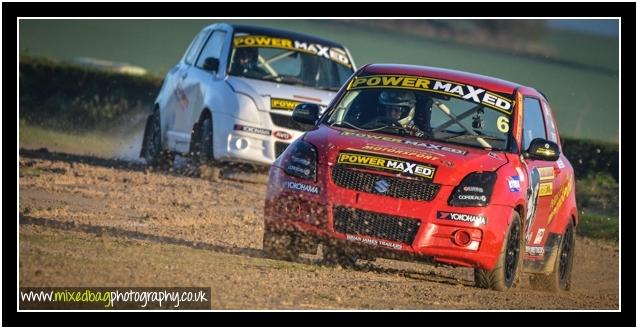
444	87
332	53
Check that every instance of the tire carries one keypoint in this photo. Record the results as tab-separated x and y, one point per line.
560	279
508	267
204	143
152	150
337	256
280	245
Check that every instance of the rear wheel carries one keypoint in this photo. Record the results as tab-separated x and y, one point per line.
560	277
280	245
506	273
152	150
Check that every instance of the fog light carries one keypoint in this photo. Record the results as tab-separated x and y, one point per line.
462	238
239	143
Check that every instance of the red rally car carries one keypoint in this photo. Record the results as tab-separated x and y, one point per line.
428	164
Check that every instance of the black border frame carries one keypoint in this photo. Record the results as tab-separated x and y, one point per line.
624	10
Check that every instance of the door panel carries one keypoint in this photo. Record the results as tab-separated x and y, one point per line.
545	177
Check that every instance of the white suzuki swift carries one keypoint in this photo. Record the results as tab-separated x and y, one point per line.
231	95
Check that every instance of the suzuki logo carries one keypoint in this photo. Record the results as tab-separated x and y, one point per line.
381	186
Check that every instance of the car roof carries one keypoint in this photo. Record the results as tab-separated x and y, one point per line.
251	29
489	83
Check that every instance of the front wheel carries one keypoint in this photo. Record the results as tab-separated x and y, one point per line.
560	279
338	256
505	275
280	245
204	149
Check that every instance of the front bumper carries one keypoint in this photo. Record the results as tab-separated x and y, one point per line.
320	213
255	144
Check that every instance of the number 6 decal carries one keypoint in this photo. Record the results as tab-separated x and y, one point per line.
503	124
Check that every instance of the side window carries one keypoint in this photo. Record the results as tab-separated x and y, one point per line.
191	54
533	125
213	47
551	127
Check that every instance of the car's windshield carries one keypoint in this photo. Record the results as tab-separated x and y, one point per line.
426	108
282	62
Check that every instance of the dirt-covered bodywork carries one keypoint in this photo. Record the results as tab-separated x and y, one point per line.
473	176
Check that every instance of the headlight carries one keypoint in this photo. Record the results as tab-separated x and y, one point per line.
475	190
300	160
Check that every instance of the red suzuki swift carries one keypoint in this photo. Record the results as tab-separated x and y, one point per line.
428	164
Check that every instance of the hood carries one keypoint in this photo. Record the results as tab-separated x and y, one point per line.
450	162
278	96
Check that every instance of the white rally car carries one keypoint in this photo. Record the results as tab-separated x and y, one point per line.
231	95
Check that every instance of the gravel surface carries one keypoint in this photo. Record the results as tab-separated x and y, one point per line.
87	221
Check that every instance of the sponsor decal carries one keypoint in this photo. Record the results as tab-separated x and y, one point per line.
283	104
503	124
535	251
302	187
282	135
473	197
546	151
386	163
477	189
545	189
449	88
514	183
299	160
559	198
519	118
428	146
532	201
476	219
333	53
302	171
560	164
492	155
539	236
547	173
383	149
253	130
181	96
374	242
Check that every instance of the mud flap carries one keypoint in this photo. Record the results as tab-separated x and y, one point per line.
542	264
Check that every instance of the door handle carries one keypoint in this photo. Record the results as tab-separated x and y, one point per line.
185	75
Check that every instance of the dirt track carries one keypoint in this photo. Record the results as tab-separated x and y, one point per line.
91	222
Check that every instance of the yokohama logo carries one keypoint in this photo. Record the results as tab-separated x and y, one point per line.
461	217
302	187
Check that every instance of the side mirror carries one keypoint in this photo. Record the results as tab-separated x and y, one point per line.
542	149
306	113
211	64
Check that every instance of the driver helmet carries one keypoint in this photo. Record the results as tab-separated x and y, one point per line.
246	57
399	105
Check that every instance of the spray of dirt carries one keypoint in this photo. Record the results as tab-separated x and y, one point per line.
127	137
